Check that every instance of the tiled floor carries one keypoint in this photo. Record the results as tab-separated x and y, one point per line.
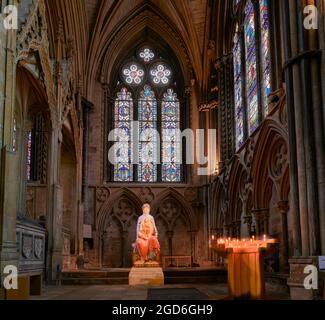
125	292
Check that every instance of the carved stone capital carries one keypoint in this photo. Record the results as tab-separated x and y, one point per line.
283	206
261	214
248	220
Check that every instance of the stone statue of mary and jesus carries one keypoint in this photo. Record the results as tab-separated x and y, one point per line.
146	249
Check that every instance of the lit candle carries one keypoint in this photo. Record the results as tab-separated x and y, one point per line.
212	237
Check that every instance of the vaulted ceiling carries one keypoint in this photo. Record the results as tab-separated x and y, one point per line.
102	29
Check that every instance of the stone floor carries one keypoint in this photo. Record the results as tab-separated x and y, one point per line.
125	292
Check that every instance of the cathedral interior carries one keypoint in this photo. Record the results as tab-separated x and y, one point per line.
244	78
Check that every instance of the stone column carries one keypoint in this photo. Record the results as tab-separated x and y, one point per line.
9	158
79	187
170	235
55	201
262	221
296	108
283	207
248	220
301	69
313	133
101	245
236	228
86	108
266	217
288	74
303	106
321	91
124	248
228	230
318	99
193	235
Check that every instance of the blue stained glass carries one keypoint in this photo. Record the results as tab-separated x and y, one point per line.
151	144
146	54
251	67
147	167
239	108
171	144
123	115
265	48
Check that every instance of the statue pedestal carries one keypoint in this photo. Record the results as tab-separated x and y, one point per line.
146	276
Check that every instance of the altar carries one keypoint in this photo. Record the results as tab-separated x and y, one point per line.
245	265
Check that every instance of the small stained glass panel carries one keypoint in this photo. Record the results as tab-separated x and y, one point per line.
146	54
160	74
133	74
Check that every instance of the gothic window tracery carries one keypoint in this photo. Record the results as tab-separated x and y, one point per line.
251	104
147	97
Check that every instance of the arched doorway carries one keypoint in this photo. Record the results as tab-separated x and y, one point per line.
118	234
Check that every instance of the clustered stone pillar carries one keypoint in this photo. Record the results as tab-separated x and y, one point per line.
262	221
283	207
226	107
9	158
170	235
306	139
86	108
248	220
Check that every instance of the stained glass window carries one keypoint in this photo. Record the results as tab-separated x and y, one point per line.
154	110
133	74
160	74
29	156
251	68
257	78
146	54
147	107
123	116
239	107
265	51
171	144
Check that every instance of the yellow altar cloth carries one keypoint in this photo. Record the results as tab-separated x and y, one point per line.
245	266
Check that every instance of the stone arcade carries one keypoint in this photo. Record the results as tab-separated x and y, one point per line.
75	70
